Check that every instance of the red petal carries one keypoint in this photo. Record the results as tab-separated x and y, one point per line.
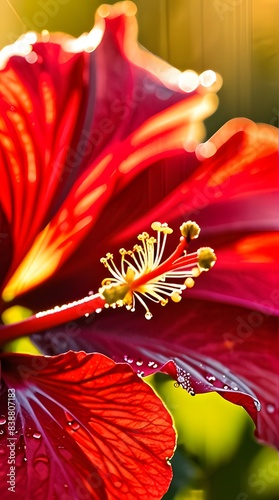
84	426
215	347
73	124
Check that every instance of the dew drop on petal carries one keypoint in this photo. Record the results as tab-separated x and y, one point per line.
128	359
37	435
2	420
74	425
225	387
139	362
270	408
1	432
257	405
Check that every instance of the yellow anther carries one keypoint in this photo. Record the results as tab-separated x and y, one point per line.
189	282
106	282
190	230
196	272
176	297
144	275
206	258
156	226
161	228
164	302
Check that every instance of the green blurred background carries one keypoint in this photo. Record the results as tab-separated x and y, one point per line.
217	457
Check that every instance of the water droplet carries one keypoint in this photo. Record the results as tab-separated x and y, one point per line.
86	315
74	425
128	359
1	432
37	435
139	362
155	365
210	378
150	363
64	453
2	420
24	459
225	387
270	408
180	379
257	405
140	373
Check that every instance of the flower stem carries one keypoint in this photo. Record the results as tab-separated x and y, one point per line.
52	318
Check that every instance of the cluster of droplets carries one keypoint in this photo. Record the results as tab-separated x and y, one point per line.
143	274
139	363
184	381
70	305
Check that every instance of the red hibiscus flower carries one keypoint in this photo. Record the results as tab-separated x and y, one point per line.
97	144
80	121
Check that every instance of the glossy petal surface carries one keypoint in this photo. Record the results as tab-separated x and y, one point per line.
85	428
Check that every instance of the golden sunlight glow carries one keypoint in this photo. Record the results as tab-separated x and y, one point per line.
207	78
40	262
205	150
87	201
127	7
88	41
48	99
194	110
188	81
22	47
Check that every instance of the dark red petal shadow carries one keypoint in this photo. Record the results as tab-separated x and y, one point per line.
85	428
